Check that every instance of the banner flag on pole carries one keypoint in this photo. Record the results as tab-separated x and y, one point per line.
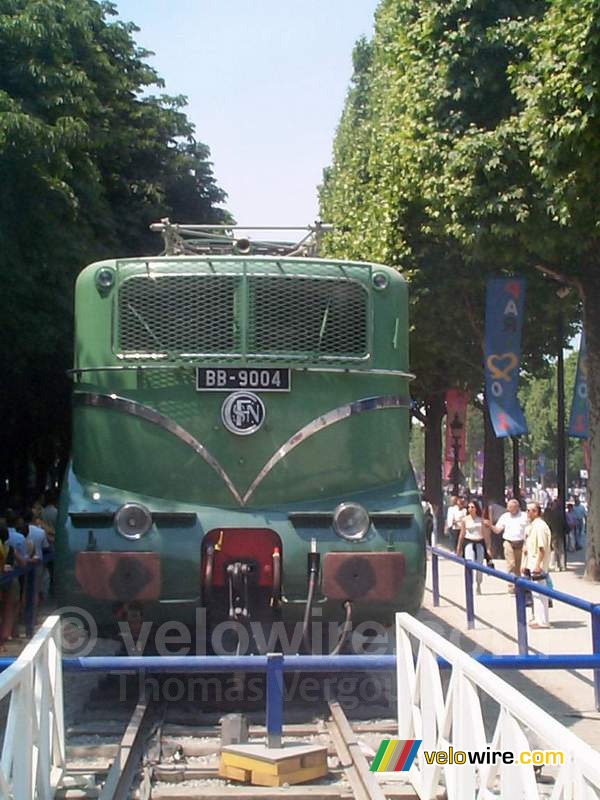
578	421
504	307
456	428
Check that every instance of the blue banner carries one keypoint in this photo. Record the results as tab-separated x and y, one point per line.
504	306
578	421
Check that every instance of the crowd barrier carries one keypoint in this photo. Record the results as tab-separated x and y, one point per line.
522	587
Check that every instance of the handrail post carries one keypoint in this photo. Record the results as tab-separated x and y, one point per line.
521	607
274	699
469	596
595	620
435	579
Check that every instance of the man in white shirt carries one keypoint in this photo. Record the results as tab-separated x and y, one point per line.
456	511
512	527
537	561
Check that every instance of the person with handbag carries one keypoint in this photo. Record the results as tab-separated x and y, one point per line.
471	542
537	561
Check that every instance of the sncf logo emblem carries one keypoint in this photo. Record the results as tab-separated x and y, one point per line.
243	413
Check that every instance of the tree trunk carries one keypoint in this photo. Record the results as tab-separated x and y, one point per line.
494	479
436	408
591	321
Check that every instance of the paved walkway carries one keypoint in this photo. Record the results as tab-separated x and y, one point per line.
568	695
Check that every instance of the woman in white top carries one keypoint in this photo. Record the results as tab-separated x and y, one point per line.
471	536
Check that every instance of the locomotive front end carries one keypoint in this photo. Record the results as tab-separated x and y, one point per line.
240	443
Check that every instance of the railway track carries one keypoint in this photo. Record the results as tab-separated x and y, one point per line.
169	751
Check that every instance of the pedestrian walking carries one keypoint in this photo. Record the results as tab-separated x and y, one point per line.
537	561
9	591
429	517
456	511
471	542
571	526
554	516
580	515
512	527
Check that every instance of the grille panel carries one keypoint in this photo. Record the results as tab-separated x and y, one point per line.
224	316
307	315
177	314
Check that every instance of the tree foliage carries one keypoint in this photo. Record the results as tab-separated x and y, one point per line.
436	80
538	397
478	139
437	77
87	160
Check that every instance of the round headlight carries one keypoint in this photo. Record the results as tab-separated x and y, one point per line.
380	280
351	521
105	278
133	520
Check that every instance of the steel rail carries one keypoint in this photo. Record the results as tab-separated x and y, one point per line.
364	786
129	756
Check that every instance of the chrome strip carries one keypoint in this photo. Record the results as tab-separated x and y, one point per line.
330	418
395	372
175	366
154	417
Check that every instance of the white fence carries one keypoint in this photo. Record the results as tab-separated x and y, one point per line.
33	751
448	713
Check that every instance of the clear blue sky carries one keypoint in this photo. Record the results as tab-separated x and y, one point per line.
266	82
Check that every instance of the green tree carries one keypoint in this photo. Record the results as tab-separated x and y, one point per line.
438	77
559	87
87	161
528	188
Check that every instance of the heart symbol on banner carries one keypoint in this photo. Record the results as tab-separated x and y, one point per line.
514	288
500	366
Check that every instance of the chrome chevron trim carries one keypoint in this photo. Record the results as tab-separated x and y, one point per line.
113	401
316	425
155	418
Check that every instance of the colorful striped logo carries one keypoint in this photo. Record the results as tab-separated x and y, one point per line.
395	755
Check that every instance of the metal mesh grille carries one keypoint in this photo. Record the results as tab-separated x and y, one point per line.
177	314
161	379
273	315
294	315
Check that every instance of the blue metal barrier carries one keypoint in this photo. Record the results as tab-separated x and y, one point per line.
275	665
522	586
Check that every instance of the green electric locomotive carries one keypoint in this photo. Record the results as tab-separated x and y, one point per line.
240	438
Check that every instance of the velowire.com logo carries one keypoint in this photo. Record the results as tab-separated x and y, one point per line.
398	755
395	755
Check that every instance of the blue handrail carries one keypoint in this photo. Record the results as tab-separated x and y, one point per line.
275	664
522	586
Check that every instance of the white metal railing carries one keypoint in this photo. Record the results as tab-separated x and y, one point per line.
448	713
33	751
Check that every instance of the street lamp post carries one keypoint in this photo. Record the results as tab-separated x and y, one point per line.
516	483
561	456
